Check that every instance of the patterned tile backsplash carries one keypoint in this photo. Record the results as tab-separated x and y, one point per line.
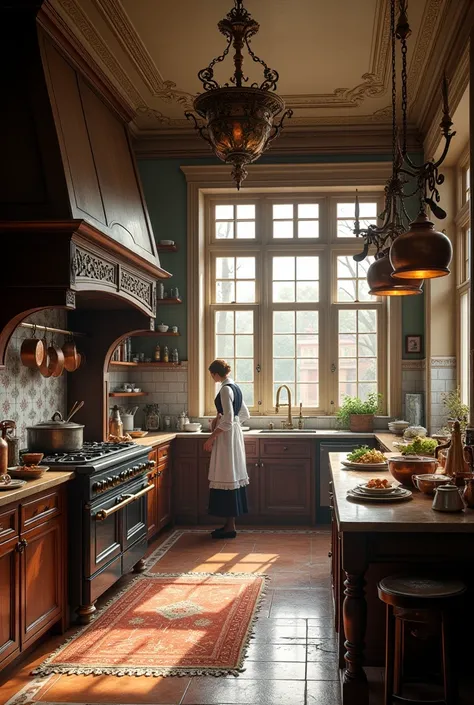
26	396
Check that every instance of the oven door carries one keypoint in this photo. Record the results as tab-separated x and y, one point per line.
135	514
104	542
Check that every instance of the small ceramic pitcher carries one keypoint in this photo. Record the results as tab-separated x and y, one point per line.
447	499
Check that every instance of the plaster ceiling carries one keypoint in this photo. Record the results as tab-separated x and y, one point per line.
333	56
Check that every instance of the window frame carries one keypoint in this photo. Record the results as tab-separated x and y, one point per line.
327	247
463	282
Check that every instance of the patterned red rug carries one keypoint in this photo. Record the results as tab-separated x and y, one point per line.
164	625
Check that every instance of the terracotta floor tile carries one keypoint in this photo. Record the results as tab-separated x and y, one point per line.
220	691
108	689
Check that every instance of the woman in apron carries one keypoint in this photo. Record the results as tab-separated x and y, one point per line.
228	469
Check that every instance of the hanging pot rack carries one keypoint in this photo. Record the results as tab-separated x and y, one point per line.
49	329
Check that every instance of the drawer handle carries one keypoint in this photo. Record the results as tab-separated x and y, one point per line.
285	447
21	545
159	473
257	465
164	455
329	554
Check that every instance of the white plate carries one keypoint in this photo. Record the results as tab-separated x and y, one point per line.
385	498
245	428
364	466
376	490
368	493
13	485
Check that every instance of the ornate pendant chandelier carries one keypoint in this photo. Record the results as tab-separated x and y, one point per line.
238	119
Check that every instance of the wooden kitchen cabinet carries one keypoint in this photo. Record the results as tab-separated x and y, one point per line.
42	583
32	570
152	497
164	488
286	490
159	499
9	600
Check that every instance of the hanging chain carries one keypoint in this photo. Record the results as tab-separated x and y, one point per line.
403	31
394	83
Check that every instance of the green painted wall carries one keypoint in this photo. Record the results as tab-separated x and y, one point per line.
164	186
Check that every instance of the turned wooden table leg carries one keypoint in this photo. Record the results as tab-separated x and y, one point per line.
355	689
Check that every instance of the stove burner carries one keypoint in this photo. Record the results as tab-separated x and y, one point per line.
90	451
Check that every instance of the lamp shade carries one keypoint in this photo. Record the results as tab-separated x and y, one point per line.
422	252
381	282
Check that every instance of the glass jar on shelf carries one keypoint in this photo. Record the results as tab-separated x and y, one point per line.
152	417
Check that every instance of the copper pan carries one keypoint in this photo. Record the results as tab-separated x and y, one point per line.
33	352
71	358
56	361
44	367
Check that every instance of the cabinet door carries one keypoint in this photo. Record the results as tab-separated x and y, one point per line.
42	575
285	490
152	498
203	492
185	490
253	494
9	600
164	514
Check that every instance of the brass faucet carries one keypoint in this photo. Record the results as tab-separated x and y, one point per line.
289	423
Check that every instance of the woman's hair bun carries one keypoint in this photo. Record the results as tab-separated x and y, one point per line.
220	367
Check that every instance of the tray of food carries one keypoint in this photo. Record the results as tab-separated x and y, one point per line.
27	472
365	458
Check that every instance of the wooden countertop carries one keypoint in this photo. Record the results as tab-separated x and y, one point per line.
155	438
51	478
413	515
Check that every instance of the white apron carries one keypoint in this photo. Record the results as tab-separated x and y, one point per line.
228	468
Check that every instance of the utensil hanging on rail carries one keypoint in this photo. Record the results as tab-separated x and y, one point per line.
71	359
33	351
44	367
56	360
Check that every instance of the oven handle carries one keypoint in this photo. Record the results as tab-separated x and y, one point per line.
129	498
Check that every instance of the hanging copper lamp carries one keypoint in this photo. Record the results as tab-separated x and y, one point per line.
422	252
238	119
381	283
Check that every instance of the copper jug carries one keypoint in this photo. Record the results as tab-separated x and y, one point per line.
455	465
4	426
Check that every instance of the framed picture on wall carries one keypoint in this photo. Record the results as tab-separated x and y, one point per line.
413	343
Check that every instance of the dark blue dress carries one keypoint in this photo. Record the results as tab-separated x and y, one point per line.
228	503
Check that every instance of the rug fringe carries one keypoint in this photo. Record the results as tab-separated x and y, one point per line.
147	672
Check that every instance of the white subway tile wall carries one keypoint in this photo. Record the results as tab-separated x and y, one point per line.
443	379
413	380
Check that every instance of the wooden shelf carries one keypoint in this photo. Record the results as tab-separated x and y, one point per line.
145	333
168	301
127	394
167	248
145	365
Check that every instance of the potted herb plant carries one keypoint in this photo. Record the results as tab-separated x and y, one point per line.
358	415
456	410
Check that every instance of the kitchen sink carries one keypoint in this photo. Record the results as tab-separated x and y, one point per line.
287	430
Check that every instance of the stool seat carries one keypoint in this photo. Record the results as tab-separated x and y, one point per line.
420	587
418	599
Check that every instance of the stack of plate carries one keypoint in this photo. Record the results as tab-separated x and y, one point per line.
397	427
379	494
364	466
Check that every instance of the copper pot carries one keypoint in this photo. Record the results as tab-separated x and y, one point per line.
33	352
71	357
56	361
402	468
44	367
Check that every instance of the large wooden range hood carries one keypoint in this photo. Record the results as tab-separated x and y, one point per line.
72	213
74	226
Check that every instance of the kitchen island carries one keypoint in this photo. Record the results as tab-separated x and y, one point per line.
373	540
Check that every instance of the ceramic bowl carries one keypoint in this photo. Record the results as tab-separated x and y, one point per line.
162	328
192	427
402	468
32	458
427	484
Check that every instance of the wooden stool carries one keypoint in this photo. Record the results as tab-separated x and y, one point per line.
411	599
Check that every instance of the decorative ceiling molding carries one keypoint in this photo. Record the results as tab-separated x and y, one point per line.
419	59
115	15
370	139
